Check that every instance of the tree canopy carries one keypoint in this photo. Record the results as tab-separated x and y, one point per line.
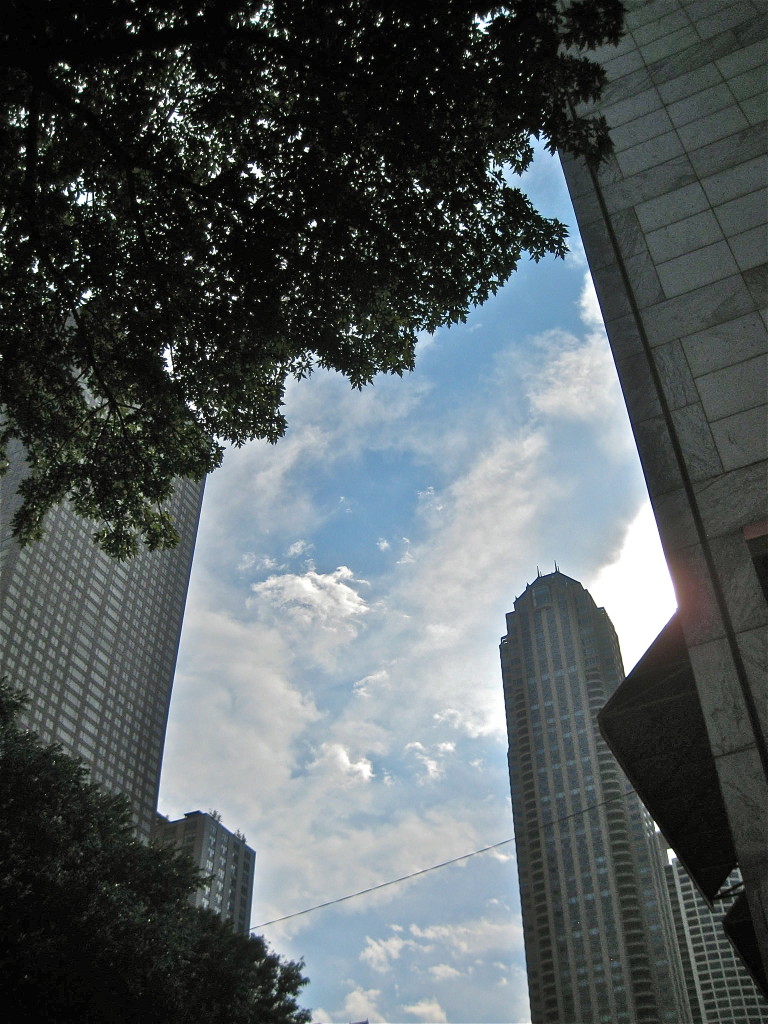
95	926
200	200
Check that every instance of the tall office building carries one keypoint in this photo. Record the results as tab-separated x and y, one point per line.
94	641
222	856
599	936
675	230
720	991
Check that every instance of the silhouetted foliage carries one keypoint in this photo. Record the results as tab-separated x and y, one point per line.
95	927
202	200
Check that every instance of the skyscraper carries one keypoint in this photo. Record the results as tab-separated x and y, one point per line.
719	988
675	230
221	855
599	937
94	641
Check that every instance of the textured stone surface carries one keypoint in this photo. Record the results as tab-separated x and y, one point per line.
696	193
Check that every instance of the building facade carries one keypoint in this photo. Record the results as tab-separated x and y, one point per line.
222	856
675	230
599	935
720	991
94	641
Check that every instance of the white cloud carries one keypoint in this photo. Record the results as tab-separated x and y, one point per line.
299	547
442	972
474	937
251	560
426	1010
589	307
579	380
635	588
364	687
335	758
358	1005
327	600
382	544
380	954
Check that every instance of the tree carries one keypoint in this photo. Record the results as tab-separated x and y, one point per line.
203	199
95	927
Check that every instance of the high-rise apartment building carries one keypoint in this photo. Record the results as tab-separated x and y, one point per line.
720	991
599	936
94	641
675	229
222	856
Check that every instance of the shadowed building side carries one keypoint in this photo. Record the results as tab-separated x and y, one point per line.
94	641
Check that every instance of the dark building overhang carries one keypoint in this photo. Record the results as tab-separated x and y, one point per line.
740	930
655	727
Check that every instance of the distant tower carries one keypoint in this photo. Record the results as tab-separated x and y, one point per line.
220	854
719	986
599	936
94	641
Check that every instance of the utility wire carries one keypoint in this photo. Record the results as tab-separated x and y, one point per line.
435	867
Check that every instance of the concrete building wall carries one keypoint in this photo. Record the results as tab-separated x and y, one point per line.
94	641
674	228
220	854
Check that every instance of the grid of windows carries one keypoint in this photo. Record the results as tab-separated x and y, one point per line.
719	986
598	929
94	642
219	853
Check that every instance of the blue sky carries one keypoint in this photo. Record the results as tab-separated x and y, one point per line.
338	695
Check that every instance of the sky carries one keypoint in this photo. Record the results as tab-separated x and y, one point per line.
338	694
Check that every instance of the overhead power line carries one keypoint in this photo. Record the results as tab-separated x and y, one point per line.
434	867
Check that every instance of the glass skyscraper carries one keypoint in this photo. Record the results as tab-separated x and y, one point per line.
94	641
599	934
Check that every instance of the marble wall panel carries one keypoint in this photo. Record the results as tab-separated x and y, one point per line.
742	214
695	437
747	144
684	236
694	311
734	388
722	701
750	247
728	502
741	439
692	270
712	128
726	343
671	206
740	179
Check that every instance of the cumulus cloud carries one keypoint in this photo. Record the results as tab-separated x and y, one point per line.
327	600
335	758
359	1004
382	544
426	1010
380	954
442	972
